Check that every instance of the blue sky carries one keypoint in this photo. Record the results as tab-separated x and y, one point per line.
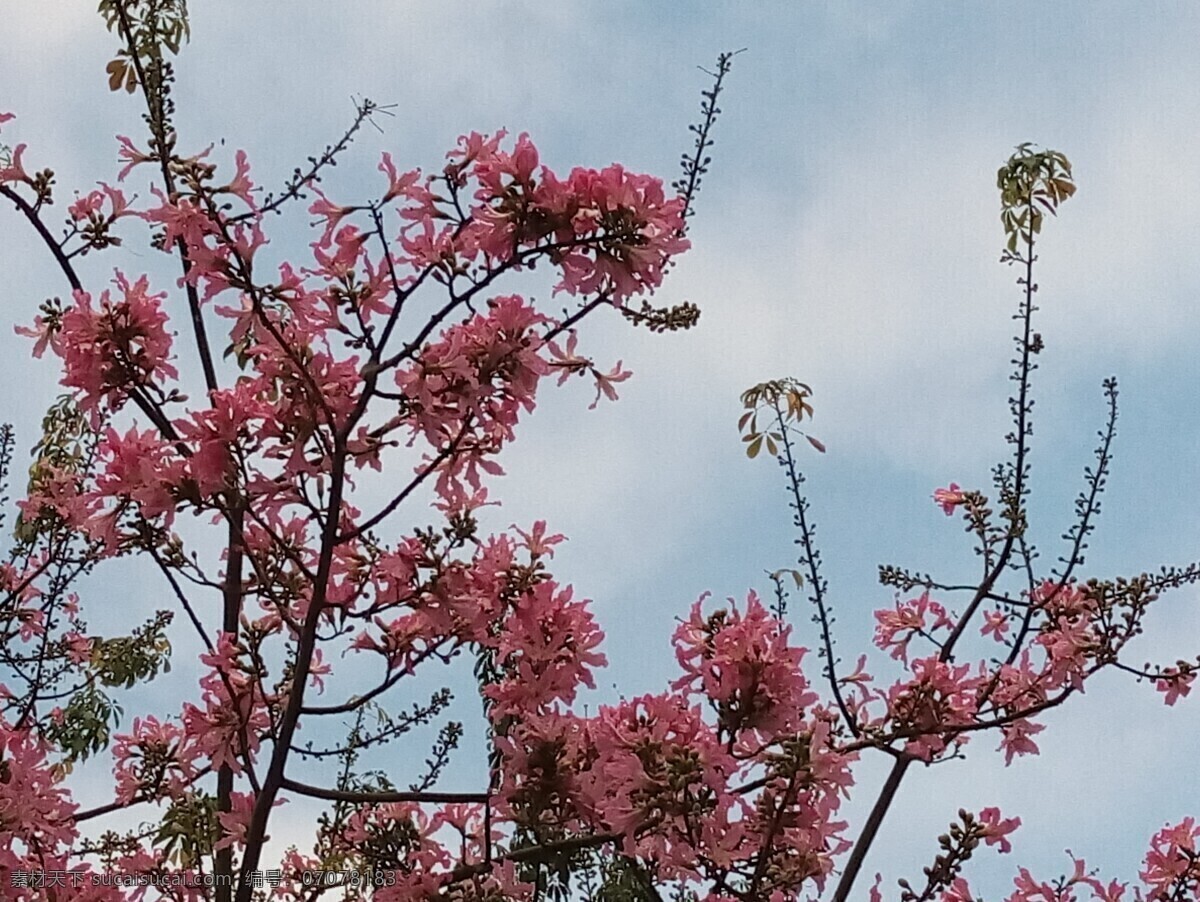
847	235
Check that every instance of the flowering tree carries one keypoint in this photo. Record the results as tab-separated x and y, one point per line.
390	348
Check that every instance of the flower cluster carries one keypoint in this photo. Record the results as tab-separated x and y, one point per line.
110	352
36	825
1171	870
733	777
666	779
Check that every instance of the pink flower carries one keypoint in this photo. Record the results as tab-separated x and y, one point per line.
475	148
743	661
958	891
636	742
116	197
86	206
996	829
329	213
949	498
241	186
33	623
1172	862
155	759
606	381
940	696
235	717
536	542
1069	645
318	670
34	812
14	171
236	822
79	648
1063	599
141	467
187	221
107	351
1018	739
1029	890
636	231
1175	684
547	647
995	624
895	629
568	361
131	156
874	894
398	185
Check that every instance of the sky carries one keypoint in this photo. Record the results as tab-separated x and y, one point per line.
847	235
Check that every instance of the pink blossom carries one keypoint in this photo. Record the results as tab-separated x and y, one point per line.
1172	866
474	148
1068	644
32	623
15	171
236	822
183	220
318	670
895	629
547	647
398	185
997	828
86	206
606	381
426	245
91	205
241	186
1175	684
874	894
1029	890
742	661
536	542
131	156
155	759
141	467
859	679
940	696
234	717
1063	599
995	624
958	891
949	498
329	213
1018	739
568	361
109	350
639	743
347	247
35	813
636	231
79	647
